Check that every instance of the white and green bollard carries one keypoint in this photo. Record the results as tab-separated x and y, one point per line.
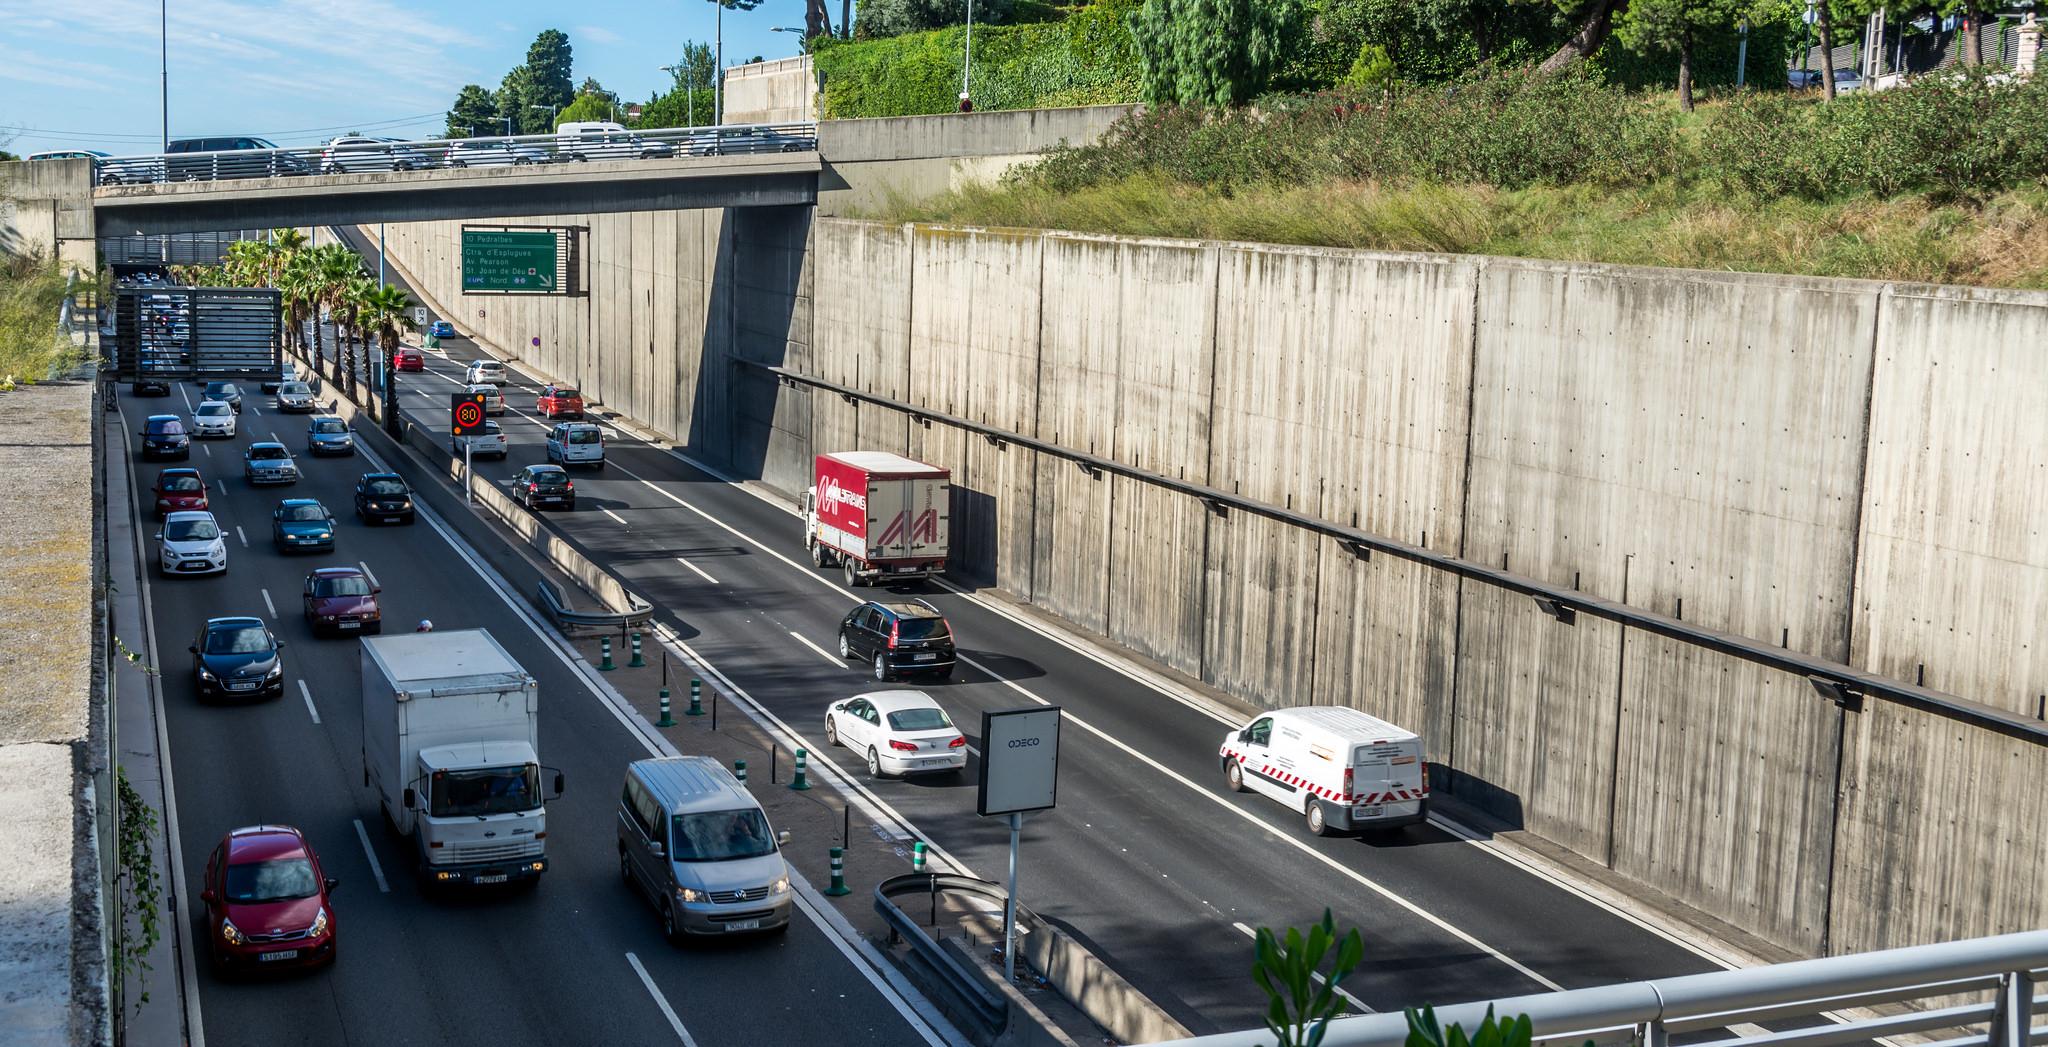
739	770
800	782
917	857
666	720
636	662
696	699
604	647
838	874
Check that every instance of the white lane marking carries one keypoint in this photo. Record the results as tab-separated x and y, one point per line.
1591	892
255	411
311	710
1317	975
223	485
271	607
188	398
822	653
699	570
209	454
275	438
661	1001
615	516
376	868
879	971
1357	877
188	969
243	537
367	574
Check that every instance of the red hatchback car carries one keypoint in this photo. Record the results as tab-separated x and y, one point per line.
267	901
179	490
342	600
559	401
409	359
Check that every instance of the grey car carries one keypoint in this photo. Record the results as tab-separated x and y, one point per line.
269	463
295	398
327	434
697	844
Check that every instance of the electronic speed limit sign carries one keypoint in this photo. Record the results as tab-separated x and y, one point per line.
468	412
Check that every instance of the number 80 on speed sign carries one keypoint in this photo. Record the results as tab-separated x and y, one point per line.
467	411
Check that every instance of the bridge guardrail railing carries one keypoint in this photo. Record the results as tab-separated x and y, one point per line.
391	155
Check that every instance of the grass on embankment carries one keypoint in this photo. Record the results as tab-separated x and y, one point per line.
2000	243
31	289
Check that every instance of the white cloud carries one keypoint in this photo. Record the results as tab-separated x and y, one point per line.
66	74
598	34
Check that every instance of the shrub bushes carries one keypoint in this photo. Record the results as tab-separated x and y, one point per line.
1084	58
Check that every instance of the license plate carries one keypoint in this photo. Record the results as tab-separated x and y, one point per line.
391	519
927	657
282	954
743	925
349	625
1371	810
242	686
495	878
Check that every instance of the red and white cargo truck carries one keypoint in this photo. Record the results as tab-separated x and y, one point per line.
880	516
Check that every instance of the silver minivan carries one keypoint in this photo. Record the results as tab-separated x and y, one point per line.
696	842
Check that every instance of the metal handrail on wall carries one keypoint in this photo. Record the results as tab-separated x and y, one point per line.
974	991
379	156
1844	685
1648	1013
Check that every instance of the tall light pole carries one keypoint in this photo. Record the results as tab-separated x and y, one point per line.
163	55
551	111
681	71
717	67
967	65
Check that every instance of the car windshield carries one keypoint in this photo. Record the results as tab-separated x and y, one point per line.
274	881
167	427
348	585
182	483
717	836
295	389
492	790
547	476
269	453
305	512
582	436
921	629
214	410
387	488
567	394
329	425
237	639
919	720
191	531
218	389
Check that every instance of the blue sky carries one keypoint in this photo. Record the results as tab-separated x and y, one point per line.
84	74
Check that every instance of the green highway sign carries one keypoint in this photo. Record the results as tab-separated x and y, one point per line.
509	260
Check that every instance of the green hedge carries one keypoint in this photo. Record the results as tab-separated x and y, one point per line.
1084	58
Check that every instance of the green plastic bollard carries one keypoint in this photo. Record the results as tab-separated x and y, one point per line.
636	662
666	720
838	874
696	699
917	857
604	647
800	782
739	770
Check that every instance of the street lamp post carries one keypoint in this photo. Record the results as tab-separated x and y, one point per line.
967	64
718	66
681	72
551	111
163	54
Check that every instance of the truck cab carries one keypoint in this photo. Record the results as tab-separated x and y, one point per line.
480	806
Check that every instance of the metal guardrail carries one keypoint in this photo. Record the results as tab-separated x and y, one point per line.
555	601
973	990
1844	685
387	155
1648	1014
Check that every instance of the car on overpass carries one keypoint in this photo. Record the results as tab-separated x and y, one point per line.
741	140
68	154
214	159
580	140
495	152
349	154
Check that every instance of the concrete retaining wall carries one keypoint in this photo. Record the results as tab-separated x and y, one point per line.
869	162
781	91
1848	469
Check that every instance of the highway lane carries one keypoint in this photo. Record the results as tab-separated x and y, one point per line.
1153	861
546	966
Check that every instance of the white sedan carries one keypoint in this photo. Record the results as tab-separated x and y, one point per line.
897	732
214	418
495	397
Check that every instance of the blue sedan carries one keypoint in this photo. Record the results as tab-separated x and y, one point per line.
441	329
302	523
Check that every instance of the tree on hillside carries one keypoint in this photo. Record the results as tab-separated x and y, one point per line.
692	86
598	106
1674	26
877	18
474	108
1212	52
548	66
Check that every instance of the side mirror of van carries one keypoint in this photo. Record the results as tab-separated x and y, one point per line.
409	799
561	783
333	884
656	849
1245	735
782	838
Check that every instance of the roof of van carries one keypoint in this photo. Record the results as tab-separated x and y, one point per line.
1353	723
692	783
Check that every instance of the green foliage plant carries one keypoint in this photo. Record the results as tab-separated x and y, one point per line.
1300	1001
140	889
1212	52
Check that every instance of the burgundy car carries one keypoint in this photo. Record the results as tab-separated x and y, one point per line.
179	490
267	901
342	600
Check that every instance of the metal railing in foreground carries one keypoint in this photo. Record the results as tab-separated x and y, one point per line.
1808	1003
386	155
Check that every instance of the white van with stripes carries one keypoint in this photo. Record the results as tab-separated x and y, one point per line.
1341	769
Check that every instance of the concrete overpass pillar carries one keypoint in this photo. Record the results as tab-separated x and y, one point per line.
46	209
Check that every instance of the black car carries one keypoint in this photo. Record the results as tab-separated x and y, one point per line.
898	638
383	498
150	387
226	392
538	485
164	436
237	658
211	159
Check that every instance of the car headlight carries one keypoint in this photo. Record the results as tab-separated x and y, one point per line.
231	934
275	671
780	886
691	894
324	535
319	924
205	675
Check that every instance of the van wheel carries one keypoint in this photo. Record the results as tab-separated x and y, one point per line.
1233	773
625	867
669	927
881	668
1316	824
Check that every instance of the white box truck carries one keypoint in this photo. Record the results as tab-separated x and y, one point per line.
881	516
451	735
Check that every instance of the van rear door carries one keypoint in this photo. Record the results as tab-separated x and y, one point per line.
1385	773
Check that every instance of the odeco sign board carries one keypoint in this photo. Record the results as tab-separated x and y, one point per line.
1020	761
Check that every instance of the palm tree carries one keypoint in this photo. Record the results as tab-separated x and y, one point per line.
361	288
390	309
333	264
298	281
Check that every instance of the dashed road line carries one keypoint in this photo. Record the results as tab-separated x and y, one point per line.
822	653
